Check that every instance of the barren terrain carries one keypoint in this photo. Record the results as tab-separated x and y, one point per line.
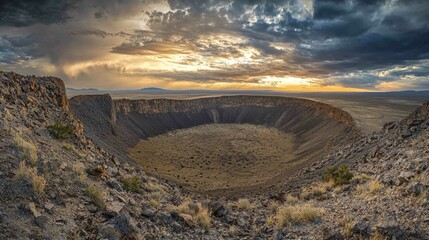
59	184
217	156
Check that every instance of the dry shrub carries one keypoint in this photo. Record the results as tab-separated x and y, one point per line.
30	174
154	203
370	188
24	172
296	214
97	196
375	186
61	130
203	217
244	204
348	227
340	175
317	190
291	199
360	178
79	170
28	149
39	183
132	184
200	214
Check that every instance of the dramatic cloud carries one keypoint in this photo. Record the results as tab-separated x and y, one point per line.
258	44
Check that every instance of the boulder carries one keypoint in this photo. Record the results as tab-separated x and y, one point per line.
148	211
123	226
362	229
41	221
32	207
391	229
415	189
405	176
187	219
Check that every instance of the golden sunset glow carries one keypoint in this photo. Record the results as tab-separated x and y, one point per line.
286	45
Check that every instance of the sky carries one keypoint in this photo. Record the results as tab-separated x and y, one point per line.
290	45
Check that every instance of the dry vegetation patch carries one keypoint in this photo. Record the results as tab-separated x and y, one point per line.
79	170
61	130
96	195
30	174
132	184
370	188
199	213
244	204
287	214
27	148
317	190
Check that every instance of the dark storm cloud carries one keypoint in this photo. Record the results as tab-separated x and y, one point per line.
345	42
15	49
21	13
99	33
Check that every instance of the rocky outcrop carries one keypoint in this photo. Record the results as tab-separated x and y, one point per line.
37	100
23	90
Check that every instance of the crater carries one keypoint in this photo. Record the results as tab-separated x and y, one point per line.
231	145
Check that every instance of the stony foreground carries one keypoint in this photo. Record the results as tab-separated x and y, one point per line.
56	184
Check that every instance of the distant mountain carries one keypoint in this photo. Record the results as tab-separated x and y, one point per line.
153	89
81	89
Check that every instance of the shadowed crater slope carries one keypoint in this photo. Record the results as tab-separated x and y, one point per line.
311	130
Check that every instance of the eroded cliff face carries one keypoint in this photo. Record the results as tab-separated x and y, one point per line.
126	106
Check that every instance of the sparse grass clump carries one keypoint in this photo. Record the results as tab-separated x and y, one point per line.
318	190
348	227
370	188
68	147
375	186
339	175
244	204
152	186
28	149
30	174
61	131
79	170
154	203
132	184
97	196
203	217
287	215
360	178
200	214
24	172
39	183
291	199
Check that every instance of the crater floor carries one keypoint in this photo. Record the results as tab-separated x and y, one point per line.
213	157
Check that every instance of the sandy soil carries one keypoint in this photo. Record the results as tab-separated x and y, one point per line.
217	156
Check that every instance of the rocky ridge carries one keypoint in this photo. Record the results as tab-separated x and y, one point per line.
86	195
